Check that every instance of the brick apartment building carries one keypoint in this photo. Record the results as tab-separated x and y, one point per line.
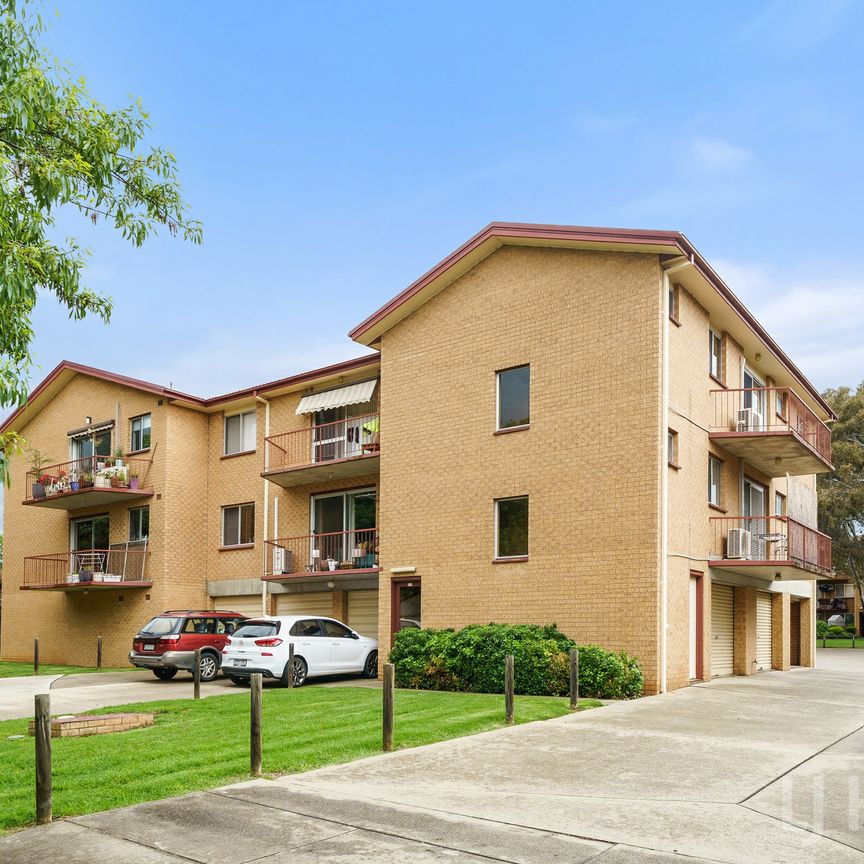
573	425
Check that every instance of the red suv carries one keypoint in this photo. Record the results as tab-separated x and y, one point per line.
167	642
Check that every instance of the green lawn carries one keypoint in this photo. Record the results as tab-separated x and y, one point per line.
200	745
841	643
14	669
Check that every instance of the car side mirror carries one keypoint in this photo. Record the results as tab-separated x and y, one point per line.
355	635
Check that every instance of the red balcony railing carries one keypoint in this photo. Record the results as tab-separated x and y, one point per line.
776	539
92	472
770	409
324	553
86	567
342	439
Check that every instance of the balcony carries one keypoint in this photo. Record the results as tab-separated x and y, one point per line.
769	547
89	482
335	555
772	429
87	569
330	451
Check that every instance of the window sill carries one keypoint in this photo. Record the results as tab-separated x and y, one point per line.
716	380
138	452
510	429
674	465
717	508
237	546
516	559
241	453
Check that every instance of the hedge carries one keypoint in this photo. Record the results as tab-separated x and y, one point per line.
472	660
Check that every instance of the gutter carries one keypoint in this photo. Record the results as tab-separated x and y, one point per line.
266	526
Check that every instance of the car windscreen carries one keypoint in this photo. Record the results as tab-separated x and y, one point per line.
161	626
256	629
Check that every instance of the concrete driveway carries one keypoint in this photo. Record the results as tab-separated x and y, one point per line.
762	769
73	693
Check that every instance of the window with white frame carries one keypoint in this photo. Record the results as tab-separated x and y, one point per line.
511	527
239	433
238	525
779	504
715	480
715	355
139	524
139	433
514	397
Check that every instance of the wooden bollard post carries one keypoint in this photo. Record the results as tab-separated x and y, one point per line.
196	674
255	726
36	656
389	678
98	652
508	689
574	679
43	758
290	676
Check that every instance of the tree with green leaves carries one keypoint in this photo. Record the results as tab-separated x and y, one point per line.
61	149
841	494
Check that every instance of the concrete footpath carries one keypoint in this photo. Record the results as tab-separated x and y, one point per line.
761	769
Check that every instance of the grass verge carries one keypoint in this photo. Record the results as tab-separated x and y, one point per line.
841	643
15	669
203	744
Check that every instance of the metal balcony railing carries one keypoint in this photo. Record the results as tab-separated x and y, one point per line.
342	439
324	553
776	539
770	409
84	567
91	472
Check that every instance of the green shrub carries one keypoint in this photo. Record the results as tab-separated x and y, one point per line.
472	660
821	629
836	632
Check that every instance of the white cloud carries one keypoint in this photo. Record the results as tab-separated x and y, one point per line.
816	320
718	155
225	361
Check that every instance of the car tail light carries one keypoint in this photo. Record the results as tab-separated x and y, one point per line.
226	645
171	639
268	643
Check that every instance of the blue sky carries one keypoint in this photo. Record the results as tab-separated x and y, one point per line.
334	151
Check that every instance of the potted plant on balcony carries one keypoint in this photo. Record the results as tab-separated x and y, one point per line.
133	479
118	457
102	480
86	480
38	461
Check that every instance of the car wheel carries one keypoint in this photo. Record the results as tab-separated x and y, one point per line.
240	682
209	667
370	667
164	674
301	670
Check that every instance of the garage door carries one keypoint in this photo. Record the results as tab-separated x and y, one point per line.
363	613
763	630
314	603
722	641
247	604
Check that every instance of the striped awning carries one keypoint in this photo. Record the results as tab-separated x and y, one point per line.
86	431
350	395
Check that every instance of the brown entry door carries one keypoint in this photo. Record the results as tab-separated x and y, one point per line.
795	633
404	605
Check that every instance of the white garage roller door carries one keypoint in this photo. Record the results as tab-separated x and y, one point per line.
246	604
314	603
763	630
363	613
722	629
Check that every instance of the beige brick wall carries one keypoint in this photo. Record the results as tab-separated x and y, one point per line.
589	325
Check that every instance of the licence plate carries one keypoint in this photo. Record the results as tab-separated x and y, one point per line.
240	662
149	647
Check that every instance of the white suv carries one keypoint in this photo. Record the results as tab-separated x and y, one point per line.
322	646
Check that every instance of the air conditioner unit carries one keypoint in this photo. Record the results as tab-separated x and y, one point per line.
749	420
738	543
278	560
